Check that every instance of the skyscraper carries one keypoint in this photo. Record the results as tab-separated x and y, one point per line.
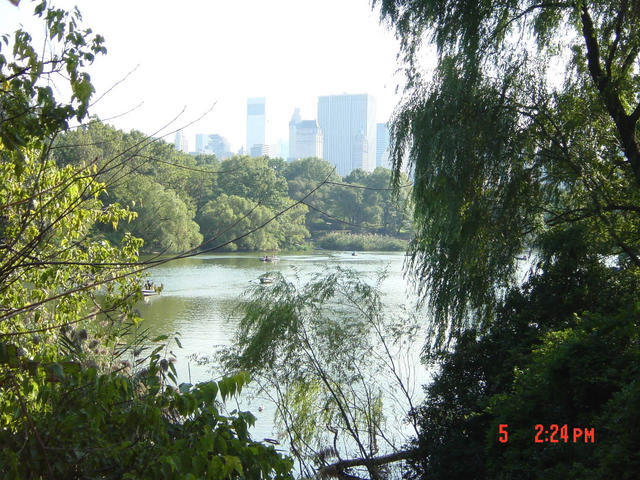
201	142
219	146
181	143
382	145
213	143
305	137
255	122
349	129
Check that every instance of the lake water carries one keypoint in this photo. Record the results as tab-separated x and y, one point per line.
200	294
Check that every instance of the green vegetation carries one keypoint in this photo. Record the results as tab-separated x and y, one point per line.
563	350
236	217
183	202
319	350
529	126
84	392
525	142
507	161
362	242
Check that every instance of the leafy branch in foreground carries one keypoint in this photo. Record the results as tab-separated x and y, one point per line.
83	393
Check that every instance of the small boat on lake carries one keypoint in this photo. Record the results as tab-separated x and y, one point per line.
150	289
272	258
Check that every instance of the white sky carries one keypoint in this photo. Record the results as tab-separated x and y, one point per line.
196	53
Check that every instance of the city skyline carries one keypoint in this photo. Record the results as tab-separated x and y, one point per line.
205	54
353	140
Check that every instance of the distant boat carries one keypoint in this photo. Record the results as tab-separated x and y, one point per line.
150	289
353	254
272	258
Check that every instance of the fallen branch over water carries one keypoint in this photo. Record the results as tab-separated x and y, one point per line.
336	470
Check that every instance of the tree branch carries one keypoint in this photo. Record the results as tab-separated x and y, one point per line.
616	40
625	124
335	470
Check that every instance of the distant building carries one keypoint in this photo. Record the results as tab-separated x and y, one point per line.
305	137
360	151
201	142
348	127
213	144
262	150
181	143
219	146
283	149
255	122
382	145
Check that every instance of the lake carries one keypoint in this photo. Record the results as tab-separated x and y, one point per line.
200	294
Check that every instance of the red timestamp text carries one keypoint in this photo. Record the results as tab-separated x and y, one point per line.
554	434
557	434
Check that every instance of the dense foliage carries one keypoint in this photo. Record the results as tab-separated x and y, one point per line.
360	242
84	393
529	124
525	149
183	201
563	350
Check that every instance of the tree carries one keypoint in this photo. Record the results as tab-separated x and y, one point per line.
202	185
253	178
524	141
83	394
143	175
238	223
383	209
560	351
337	368
530	125
303	174
163	220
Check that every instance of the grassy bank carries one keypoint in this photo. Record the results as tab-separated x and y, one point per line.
360	241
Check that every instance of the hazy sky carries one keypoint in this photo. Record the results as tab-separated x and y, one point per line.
196	53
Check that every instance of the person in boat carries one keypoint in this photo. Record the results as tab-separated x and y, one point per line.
147	285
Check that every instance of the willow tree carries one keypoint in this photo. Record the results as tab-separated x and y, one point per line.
525	136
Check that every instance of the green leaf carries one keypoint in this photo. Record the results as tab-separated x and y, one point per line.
56	370
234	463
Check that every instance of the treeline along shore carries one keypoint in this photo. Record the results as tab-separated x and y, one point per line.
180	200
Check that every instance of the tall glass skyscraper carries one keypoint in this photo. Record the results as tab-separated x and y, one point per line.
382	148
348	123
255	122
